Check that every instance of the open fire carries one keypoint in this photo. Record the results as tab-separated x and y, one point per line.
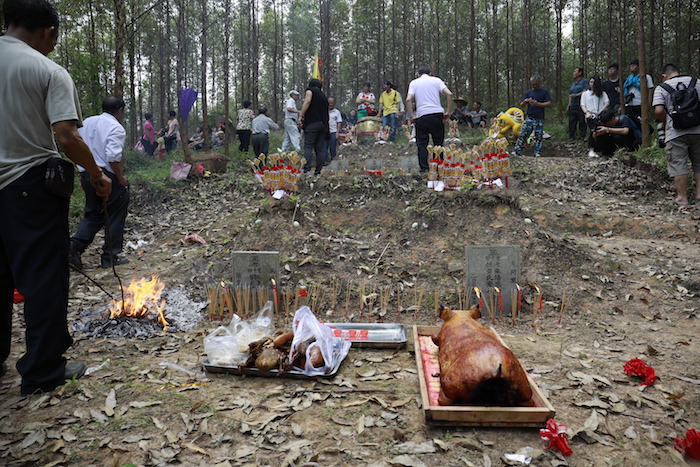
141	300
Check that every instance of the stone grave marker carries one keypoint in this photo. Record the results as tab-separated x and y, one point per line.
374	164
409	164
254	269
339	166
493	266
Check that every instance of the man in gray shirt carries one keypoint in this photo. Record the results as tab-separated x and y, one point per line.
262	124
39	101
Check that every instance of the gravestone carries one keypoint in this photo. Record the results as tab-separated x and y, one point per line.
339	167
374	164
409	164
493	266
254	269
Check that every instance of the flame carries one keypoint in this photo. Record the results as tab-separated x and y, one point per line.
141	299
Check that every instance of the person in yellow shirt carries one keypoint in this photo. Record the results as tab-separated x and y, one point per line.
389	102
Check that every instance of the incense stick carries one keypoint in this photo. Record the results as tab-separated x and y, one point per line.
563	306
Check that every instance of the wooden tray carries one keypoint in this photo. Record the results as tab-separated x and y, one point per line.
477	415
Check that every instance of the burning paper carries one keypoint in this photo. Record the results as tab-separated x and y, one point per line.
141	300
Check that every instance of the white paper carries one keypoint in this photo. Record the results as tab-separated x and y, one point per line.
278	194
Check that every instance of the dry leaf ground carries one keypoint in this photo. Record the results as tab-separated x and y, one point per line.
601	234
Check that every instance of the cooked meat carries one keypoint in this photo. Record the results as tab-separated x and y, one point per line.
475	368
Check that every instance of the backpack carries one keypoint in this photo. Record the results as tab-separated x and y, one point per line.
685	111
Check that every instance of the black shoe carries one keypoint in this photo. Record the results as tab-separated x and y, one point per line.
74	257
107	263
74	370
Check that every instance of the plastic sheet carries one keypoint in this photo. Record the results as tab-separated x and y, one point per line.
228	345
334	349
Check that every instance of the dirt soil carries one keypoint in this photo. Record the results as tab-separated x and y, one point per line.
601	236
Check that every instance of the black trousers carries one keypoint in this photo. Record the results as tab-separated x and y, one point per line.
607	144
428	125
34	259
244	137
577	119
94	216
261	144
315	136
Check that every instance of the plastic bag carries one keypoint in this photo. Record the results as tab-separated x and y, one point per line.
228	345
180	170
333	349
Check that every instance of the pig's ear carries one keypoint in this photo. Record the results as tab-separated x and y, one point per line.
445	312
474	312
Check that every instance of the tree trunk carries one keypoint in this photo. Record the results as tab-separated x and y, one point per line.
227	110
641	55
205	115
119	39
180	66
559	7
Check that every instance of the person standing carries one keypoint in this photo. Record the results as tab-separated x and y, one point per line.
172	136
536	99
261	126
335	120
105	136
366	102
593	102
429	116
243	127
291	127
314	118
39	95
681	144
611	86
149	134
633	91
389	101
576	117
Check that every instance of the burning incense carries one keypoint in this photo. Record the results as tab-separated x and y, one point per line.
479	296
513	305
497	296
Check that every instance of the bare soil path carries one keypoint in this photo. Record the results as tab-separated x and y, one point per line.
602	234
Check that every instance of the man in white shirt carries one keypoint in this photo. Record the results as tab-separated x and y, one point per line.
291	126
335	120
105	136
429	117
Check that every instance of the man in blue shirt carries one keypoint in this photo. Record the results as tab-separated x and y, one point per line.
576	116
536	99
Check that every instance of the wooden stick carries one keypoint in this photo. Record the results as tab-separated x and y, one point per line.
347	299
537	298
436	299
398	304
513	306
562	307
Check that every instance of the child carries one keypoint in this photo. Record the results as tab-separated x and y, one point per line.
160	149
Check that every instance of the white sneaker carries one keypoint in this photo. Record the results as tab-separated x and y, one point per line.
592	153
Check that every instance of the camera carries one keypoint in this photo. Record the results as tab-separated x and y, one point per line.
629	98
661	132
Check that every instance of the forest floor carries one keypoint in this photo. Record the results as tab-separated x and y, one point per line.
603	235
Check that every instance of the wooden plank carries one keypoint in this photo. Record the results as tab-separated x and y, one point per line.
478	415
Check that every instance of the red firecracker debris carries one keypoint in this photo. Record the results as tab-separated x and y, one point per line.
555	433
637	367
690	444
18	298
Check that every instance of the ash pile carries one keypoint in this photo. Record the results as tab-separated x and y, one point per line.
181	314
